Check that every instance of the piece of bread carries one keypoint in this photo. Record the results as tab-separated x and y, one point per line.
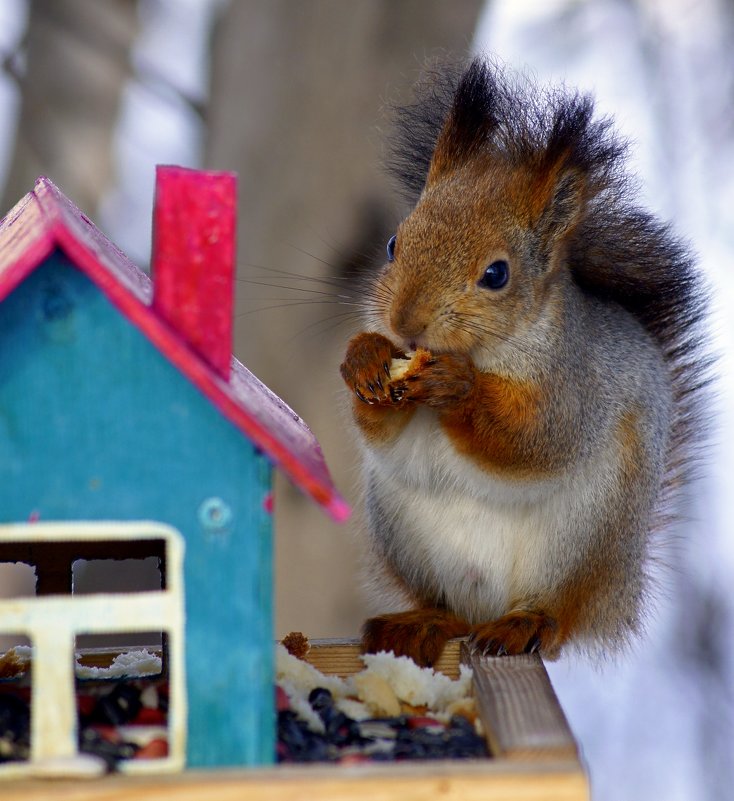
402	368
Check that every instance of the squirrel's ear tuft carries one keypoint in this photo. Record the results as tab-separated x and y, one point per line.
470	122
566	166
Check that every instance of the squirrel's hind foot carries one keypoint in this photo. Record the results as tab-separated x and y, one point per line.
420	633
517	633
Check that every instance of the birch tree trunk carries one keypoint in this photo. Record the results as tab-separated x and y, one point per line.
77	56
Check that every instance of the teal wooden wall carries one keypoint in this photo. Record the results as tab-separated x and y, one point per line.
96	424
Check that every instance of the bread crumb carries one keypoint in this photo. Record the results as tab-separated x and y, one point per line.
15	662
466	707
356	710
417	686
131	664
402	368
377	693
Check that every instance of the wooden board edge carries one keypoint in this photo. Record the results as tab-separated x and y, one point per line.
468	781
519	708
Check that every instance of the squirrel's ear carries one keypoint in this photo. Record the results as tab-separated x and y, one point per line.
470	122
564	196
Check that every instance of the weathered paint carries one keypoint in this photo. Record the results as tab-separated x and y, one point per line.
96	423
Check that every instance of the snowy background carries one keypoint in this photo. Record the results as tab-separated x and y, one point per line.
663	69
657	723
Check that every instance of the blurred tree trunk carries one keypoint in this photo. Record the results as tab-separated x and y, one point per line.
77	57
297	95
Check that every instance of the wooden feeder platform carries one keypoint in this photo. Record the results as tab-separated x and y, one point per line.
534	754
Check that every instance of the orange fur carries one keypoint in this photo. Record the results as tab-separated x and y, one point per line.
495	426
380	424
419	633
518	632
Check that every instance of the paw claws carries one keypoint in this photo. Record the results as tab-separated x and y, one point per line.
517	633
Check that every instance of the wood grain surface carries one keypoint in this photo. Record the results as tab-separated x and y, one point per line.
519	709
342	657
440	781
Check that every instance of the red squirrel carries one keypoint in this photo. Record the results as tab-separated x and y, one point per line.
514	475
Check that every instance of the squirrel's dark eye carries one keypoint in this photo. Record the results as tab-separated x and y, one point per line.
496	275
391	248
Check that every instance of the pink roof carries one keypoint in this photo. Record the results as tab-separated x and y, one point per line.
45	220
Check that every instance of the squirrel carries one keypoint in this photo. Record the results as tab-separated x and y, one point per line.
514	481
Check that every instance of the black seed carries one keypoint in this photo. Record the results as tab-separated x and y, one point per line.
121	705
341	730
290	732
296	743
15	719
320	698
91	742
463	724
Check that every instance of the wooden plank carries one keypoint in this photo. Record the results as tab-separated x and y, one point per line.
519	709
342	657
447	781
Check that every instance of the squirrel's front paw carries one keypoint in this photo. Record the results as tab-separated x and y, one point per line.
366	366
420	633
517	633
443	380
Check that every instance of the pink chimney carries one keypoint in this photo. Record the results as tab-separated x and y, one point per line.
193	260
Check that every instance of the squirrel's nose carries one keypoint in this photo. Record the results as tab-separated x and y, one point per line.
408	324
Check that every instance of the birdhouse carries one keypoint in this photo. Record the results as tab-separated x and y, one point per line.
127	428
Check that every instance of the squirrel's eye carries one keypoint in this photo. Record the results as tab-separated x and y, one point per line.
391	248
496	275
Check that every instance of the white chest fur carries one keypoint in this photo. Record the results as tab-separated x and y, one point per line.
478	540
